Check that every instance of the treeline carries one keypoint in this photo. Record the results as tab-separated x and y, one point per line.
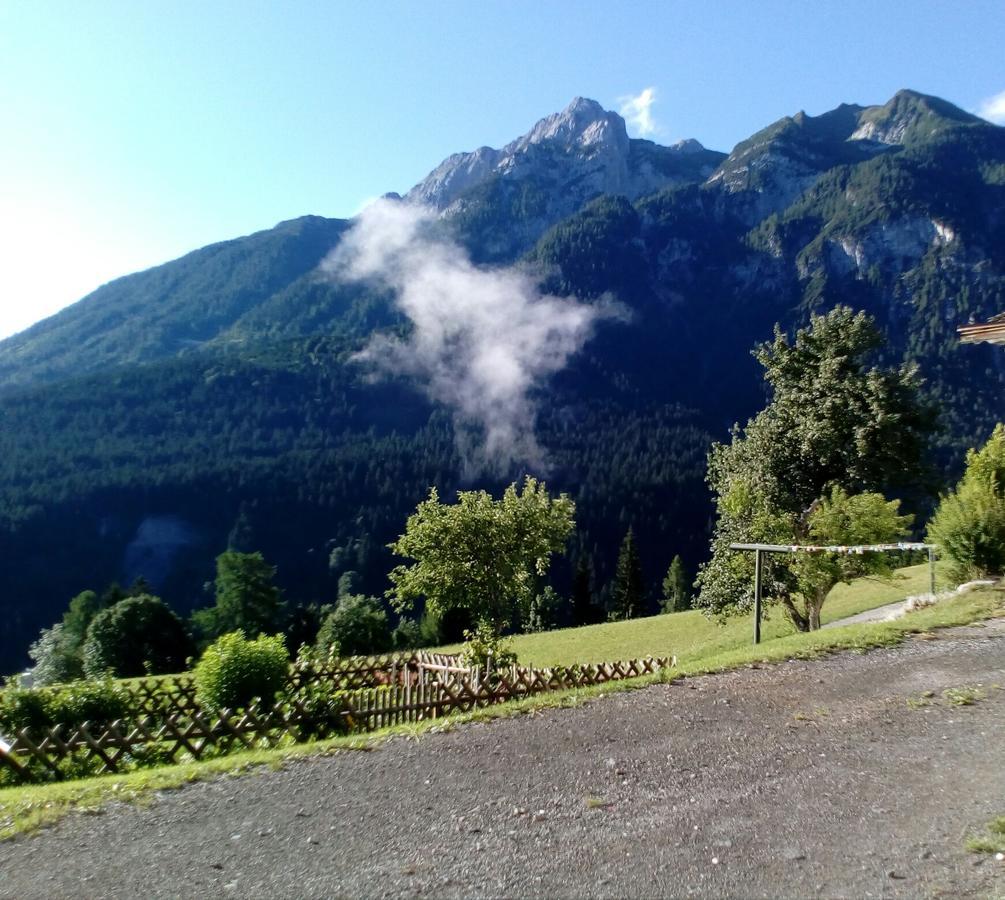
131	632
288	451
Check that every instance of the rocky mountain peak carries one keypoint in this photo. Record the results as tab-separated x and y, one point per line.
579	153
582	123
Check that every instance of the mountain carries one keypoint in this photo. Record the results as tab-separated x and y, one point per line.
214	401
174	308
502	201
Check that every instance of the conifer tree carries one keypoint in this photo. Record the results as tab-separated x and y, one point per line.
629	582
676	588
246	597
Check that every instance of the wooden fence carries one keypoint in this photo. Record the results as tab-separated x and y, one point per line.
164	731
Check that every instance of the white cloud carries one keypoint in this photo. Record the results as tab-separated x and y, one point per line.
993	109
483	340
638	114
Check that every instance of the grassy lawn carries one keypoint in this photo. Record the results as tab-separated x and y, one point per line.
691	635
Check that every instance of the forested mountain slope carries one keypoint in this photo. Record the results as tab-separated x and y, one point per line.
215	399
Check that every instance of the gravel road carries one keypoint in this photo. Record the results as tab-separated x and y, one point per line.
804	779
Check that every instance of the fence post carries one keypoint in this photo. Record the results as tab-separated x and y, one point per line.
757	596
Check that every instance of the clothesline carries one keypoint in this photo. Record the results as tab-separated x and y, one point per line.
850	549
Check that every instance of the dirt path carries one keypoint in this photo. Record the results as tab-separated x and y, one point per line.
799	780
878	614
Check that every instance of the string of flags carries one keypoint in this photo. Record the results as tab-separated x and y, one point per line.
847	549
855	550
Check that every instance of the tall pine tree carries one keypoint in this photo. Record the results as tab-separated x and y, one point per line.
629	592
676	588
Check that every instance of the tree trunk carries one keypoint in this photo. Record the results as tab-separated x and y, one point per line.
798	620
813	607
814	617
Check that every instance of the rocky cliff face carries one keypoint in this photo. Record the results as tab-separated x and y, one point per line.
563	162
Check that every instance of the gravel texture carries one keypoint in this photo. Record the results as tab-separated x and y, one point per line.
804	779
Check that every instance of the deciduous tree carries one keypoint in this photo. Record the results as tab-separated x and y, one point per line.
480	554
832	420
357	626
136	636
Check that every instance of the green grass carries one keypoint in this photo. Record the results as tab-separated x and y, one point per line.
23	809
993	841
691	635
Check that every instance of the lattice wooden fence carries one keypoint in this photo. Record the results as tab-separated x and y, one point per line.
187	732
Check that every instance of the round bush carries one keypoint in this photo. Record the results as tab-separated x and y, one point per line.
233	671
358	626
137	636
969	525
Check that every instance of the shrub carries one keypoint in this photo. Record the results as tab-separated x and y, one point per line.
137	636
969	525
356	627
969	528
23	708
407	635
233	671
322	705
483	647
98	702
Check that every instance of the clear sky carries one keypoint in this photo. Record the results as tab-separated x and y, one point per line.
132	132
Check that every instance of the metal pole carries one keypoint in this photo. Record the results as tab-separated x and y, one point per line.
931	569
757	596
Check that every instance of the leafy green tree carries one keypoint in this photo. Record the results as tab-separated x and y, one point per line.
247	600
833	420
479	554
356	627
78	617
842	519
58	653
55	657
629	593
969	524
136	636
407	635
676	588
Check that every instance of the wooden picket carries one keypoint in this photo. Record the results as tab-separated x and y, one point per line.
177	728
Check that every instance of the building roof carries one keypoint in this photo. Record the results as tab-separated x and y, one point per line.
992	331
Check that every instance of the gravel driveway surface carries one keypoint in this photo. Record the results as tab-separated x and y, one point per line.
797	780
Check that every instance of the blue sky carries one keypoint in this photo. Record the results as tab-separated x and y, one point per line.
134	132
